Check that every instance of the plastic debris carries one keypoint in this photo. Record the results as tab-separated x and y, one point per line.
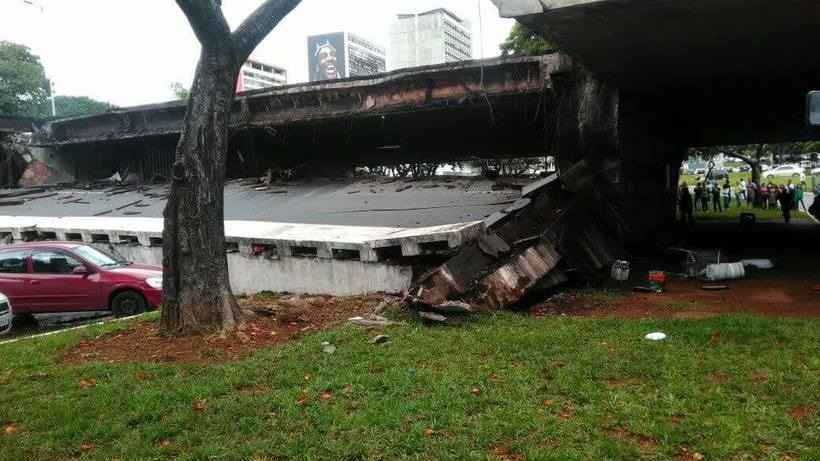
729	271
759	263
657	336
620	271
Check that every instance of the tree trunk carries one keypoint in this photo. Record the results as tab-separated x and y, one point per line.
197	293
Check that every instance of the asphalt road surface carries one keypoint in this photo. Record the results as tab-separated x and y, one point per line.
379	202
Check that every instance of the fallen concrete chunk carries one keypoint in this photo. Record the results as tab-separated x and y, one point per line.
363	322
511	281
432	316
454	307
493	246
380	339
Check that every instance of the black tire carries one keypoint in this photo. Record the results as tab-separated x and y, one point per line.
128	303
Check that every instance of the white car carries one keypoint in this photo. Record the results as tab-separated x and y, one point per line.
5	314
815	171
786	171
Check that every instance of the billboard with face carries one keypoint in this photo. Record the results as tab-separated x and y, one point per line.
326	57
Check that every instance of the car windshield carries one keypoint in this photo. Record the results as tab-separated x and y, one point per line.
99	257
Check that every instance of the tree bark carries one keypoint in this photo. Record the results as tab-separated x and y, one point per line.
197	292
197	296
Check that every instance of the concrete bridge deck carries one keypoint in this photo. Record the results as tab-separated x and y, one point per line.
383	115
353	237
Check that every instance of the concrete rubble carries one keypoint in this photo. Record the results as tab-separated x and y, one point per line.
561	226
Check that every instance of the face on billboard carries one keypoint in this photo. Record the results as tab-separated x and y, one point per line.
326	57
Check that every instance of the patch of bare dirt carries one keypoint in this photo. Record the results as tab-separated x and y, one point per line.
719	377
278	319
503	453
614	383
760	378
801	413
685	299
645	443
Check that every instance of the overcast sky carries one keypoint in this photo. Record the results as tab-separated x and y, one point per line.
128	52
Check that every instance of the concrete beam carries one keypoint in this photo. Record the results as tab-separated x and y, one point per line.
516	8
657	44
365	244
400	92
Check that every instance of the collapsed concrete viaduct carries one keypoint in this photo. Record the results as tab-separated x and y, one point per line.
636	84
466	110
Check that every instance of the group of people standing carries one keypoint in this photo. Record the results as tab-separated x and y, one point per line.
787	197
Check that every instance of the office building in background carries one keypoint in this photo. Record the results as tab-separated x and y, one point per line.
433	37
342	55
255	75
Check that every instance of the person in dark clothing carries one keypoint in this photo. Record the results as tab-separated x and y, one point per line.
685	205
786	198
716	198
698	196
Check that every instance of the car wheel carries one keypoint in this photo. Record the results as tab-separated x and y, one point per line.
127	303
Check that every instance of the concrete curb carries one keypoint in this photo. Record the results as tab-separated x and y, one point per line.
66	330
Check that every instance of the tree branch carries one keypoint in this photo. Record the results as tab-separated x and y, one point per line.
259	24
741	157
207	21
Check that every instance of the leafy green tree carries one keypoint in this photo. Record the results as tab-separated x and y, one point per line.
23	83
180	91
753	154
524	41
79	105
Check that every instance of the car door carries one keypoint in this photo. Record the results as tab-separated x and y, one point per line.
54	286
14	278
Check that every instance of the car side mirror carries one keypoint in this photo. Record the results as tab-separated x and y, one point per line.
813	108
80	270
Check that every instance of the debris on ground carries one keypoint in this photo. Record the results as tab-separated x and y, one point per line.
647	289
277	319
656	336
328	348
620	271
380	339
560	225
432	316
725	271
715	287
758	263
786	295
372	321
454	307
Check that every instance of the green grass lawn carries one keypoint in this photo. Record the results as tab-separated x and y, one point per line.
495	388
735	178
762	215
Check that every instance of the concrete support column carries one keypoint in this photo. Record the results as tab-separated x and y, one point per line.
651	163
623	136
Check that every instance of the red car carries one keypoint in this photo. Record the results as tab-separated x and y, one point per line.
51	277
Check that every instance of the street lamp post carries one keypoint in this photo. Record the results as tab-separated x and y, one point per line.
37	4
